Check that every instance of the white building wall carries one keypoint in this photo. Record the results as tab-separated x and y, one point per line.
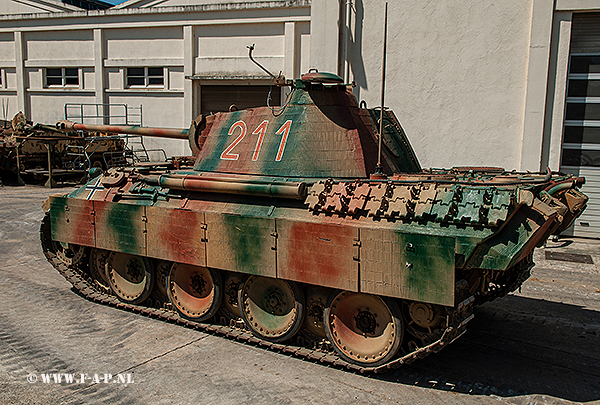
50	105
34	6
208	40
221	50
62	47
143	45
468	81
8	76
456	75
7	47
170	3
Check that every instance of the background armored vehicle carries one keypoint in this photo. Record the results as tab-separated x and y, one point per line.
282	236
31	151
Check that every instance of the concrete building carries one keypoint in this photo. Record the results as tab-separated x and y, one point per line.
510	83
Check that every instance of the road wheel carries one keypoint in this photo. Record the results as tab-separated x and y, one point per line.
313	327
130	277
272	309
68	253
231	287
98	259
364	329
194	291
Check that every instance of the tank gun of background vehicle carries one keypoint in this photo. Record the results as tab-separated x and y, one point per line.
171	133
191	134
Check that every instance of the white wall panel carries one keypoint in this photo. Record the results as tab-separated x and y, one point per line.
144	43
10	100
231	40
176	78
456	75
11	78
59	45
88	78
303	32
34	78
114	78
49	107
7	46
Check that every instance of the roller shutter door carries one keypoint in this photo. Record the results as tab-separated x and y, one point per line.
581	132
219	98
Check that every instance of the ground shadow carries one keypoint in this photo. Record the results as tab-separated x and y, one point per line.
511	350
563	243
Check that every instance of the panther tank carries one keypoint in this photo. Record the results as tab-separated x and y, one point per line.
294	233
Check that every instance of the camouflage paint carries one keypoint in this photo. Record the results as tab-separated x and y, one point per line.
401	237
409	266
72	221
216	143
329	136
498	251
320	254
120	227
241	243
314	146
176	235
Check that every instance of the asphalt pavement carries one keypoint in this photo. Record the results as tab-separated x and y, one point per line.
537	346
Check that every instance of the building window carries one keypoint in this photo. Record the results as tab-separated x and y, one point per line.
145	77
62	77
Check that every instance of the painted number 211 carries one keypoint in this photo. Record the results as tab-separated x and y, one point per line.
260	131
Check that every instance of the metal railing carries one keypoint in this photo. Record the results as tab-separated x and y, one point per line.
107	114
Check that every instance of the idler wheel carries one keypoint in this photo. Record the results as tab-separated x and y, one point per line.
364	329
68	253
231	287
194	291
98	259
273	309
130	277
313	327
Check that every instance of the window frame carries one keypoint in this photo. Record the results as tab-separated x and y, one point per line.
63	78
147	77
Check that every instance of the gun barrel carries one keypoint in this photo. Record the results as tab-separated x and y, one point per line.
172	133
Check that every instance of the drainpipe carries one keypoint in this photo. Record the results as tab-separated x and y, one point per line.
348	30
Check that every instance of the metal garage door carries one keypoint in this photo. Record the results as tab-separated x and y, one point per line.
581	133
216	98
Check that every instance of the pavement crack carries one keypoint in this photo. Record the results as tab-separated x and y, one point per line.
66	398
163	354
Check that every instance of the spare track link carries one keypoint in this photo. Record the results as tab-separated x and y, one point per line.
84	285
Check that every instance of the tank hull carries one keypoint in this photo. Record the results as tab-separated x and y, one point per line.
445	244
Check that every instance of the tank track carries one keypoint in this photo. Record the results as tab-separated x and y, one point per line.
514	280
456	320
